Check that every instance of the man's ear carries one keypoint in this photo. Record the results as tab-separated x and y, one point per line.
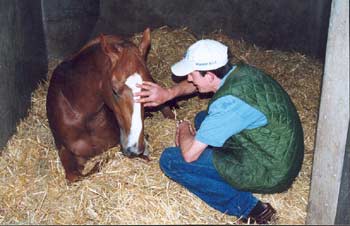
211	76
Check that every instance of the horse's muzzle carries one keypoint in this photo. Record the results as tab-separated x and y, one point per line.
133	151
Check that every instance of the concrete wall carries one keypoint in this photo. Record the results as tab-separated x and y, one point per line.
298	25
330	159
23	60
68	24
343	208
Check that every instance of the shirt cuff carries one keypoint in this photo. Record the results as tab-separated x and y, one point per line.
209	142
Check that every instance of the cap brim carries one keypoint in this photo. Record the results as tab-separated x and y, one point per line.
182	68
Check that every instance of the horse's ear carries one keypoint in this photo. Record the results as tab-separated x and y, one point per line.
145	42
109	50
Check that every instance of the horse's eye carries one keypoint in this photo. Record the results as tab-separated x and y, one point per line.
115	95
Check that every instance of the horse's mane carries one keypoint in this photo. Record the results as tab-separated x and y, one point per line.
111	39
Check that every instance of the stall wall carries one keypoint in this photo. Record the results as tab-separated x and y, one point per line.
296	25
23	60
68	24
343	207
329	192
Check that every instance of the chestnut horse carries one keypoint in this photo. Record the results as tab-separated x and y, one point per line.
90	104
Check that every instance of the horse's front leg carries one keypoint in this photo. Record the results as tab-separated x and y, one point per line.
75	156
70	164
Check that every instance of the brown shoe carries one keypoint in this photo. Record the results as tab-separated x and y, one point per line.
265	215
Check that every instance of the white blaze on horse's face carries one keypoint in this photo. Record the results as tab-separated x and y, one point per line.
136	120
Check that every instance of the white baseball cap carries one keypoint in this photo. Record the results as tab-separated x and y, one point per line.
203	55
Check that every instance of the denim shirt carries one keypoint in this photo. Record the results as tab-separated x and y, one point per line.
226	117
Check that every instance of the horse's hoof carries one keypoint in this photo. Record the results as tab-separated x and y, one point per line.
73	177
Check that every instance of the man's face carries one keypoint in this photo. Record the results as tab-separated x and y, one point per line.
201	82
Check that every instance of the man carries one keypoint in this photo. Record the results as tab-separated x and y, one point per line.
249	140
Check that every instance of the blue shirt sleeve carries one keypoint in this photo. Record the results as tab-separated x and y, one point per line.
227	116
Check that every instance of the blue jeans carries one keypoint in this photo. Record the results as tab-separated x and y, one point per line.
201	178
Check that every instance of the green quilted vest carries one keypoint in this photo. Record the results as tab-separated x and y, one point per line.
265	159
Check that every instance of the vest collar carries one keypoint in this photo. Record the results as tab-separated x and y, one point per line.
225	77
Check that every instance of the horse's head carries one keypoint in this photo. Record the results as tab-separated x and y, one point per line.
127	68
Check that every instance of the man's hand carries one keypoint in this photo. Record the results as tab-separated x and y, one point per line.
185	130
151	94
191	149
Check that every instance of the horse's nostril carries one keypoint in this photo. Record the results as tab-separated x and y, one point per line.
132	151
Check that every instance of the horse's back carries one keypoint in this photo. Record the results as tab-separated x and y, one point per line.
111	39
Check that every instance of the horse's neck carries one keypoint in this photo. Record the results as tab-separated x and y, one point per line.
82	79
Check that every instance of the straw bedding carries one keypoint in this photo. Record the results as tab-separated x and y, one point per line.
33	189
